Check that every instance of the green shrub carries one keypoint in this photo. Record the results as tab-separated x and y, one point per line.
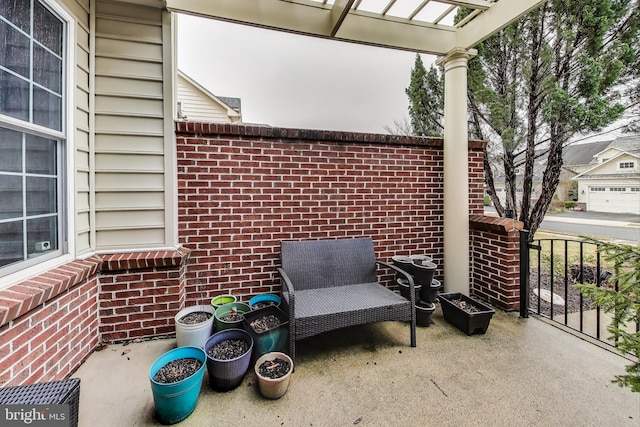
623	302
569	204
487	200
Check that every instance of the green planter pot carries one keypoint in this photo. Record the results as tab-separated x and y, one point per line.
226	308
220	300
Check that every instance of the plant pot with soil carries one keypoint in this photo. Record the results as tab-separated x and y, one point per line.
229	316
269	328
424	313
403	263
263	300
228	357
176	378
465	313
222	299
194	325
274	373
422	271
429	294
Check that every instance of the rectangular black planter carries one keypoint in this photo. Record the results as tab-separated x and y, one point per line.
276	339
467	322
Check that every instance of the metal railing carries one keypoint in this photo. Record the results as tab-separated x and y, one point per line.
549	269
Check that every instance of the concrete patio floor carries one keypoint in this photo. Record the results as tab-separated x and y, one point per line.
521	372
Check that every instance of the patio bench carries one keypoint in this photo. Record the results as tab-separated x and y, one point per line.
47	393
332	284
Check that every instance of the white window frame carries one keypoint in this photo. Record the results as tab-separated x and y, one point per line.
66	160
627	165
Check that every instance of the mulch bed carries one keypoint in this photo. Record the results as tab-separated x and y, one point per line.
265	323
195	317
228	349
177	370
572	298
275	368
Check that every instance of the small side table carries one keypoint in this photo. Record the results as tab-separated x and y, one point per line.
54	392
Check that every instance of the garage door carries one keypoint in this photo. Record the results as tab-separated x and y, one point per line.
614	199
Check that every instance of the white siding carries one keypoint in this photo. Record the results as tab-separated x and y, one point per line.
129	127
197	106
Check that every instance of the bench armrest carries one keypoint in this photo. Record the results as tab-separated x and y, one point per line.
406	275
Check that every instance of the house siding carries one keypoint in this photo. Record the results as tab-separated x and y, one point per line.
129	127
196	108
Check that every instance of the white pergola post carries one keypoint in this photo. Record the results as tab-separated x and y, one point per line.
456	171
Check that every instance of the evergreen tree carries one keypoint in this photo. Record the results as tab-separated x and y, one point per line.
426	97
554	74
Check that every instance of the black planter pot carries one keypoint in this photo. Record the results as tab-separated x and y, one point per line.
403	286
404	263
429	294
423	272
468	322
424	313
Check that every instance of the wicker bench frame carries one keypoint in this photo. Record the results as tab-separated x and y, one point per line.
332	284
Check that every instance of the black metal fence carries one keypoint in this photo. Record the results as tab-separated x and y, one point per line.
549	269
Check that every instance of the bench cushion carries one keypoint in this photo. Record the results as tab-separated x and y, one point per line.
326	309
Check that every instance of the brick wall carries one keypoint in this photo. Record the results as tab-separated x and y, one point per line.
49	324
243	189
495	260
140	293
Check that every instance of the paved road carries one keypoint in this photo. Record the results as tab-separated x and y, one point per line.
625	234
620	227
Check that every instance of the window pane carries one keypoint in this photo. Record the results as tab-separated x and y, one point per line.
14	54
41	155
11	151
47	109
11	201
41	196
16	12
11	243
41	235
47	69
47	29
14	96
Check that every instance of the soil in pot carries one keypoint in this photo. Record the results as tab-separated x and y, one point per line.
259	305
466	306
177	370
265	323
195	317
228	349
232	316
275	368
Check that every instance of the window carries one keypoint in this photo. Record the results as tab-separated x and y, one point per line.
596	189
32	139
617	189
626	165
635	188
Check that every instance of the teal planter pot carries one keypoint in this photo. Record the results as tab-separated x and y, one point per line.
176	401
259	301
275	339
221	325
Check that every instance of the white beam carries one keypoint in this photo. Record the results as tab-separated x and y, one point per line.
501	14
316	19
339	11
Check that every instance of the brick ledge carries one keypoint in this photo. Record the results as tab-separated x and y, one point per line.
494	224
23	297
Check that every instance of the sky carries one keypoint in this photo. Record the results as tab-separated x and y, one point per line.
296	81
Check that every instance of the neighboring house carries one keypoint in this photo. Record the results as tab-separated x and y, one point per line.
615	187
612	183
196	103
